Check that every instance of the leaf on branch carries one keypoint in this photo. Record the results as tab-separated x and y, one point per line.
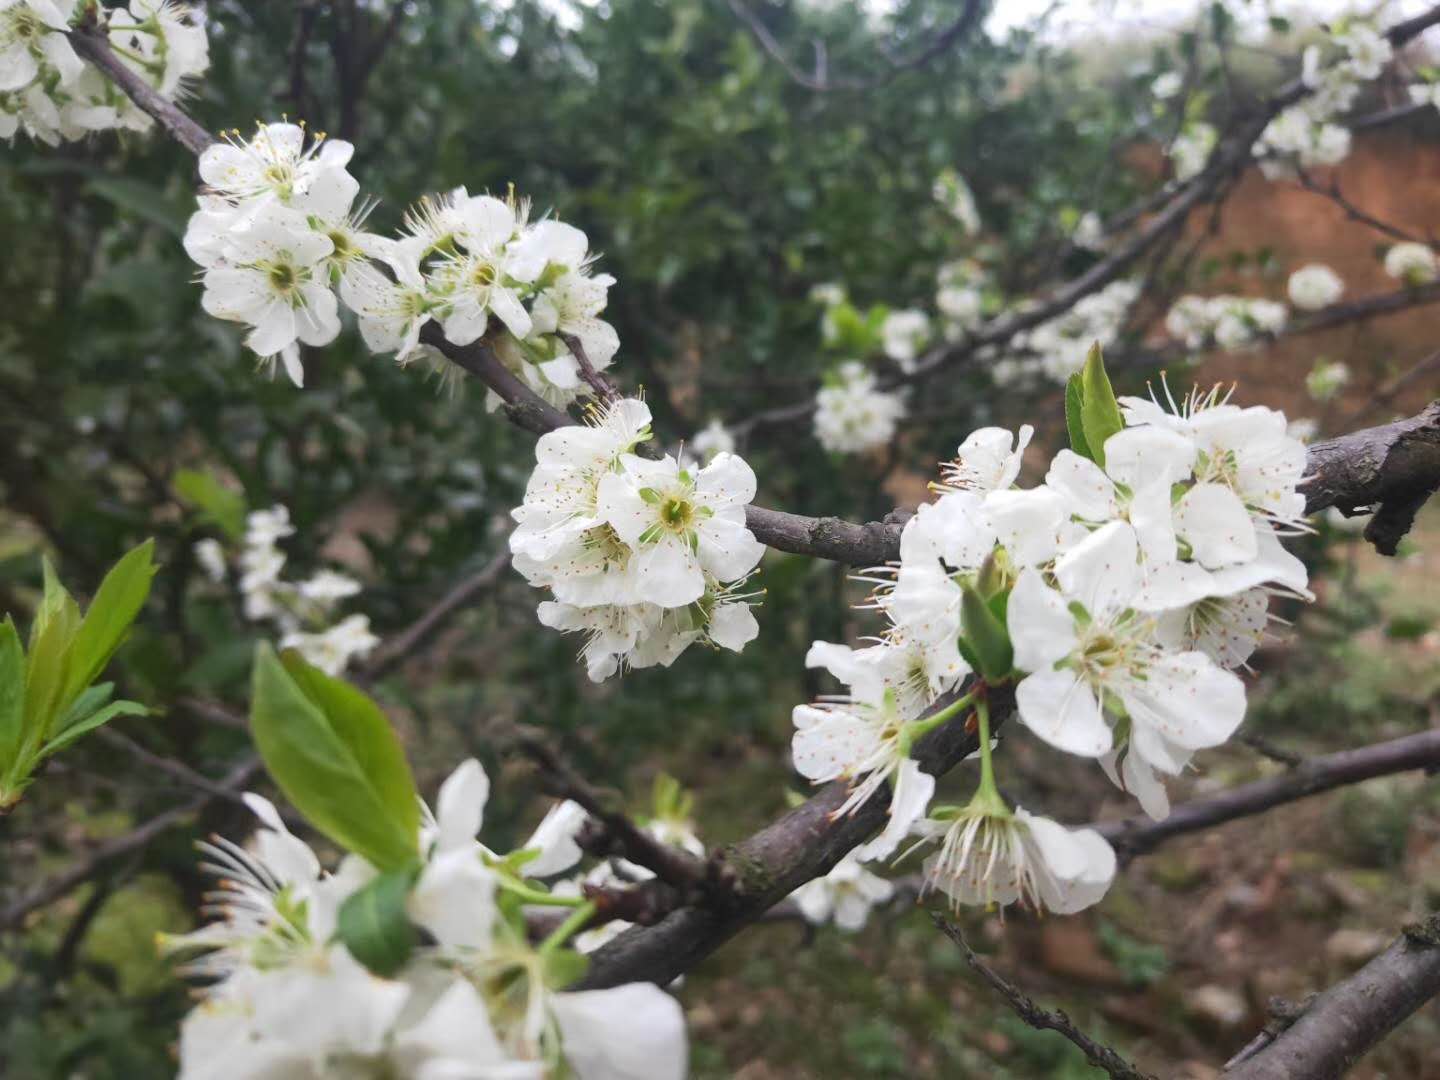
337	759
1099	411
373	924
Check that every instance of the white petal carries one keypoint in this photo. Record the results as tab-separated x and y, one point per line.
1101	570
1083	485
1217	526
1187	699
1063	711
913	789
460	806
732	626
1042	628
631	1032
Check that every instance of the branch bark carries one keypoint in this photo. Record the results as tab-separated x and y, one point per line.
1352	1016
1138	835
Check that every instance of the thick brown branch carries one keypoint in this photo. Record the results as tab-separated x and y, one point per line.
1341	1024
1395	466
1138	835
798	846
1096	1053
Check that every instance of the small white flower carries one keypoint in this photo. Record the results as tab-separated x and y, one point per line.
211	556
1314	287
860	737
681	526
852	414
1326	379
990	857
274	282
1089	651
846	894
1413	264
1167	85
903	335
988	460
953	193
1191	149
274	165
332	650
32	35
714	438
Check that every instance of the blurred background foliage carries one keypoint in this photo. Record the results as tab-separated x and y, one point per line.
719	192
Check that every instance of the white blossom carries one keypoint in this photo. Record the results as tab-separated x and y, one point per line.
1314	287
852	414
998	856
845	895
1413	264
903	335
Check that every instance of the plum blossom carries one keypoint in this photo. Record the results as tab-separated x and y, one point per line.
1314	287
853	414
845	895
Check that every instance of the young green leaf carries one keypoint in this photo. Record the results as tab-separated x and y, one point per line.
67	734
108	620
218	504
986	635
373	924
336	758
1074	421
1099	411
12	693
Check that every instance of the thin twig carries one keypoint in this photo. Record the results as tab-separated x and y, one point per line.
1096	1053
604	389
398	646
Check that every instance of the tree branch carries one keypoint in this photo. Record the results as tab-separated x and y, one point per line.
1096	1053
1138	835
1341	1024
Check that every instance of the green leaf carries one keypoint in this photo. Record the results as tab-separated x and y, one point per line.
373	924
12	693
48	659
217	503
68	734
336	758
986	635
564	967
1099	411
1074	422
114	608
86	703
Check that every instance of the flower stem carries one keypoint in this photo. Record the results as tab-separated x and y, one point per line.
927	724
987	770
567	929
537	896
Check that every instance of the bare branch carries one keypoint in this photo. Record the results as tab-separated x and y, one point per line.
821	80
619	835
1096	1053
1344	1022
1137	835
604	389
92	44
399	646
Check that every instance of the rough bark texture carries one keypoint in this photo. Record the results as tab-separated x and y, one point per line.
1352	1016
1395	466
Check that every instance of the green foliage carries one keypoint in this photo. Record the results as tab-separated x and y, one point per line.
337	759
218	505
1099	411
374	926
1140	962
47	701
986	635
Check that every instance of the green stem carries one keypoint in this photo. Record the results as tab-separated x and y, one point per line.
916	728
537	896
987	770
573	923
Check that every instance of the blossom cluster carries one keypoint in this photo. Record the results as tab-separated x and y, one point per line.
47	91
1057	347
1229	322
852	413
1304	136
287	997
1411	263
1314	286
1118	597
642	556
300	610
279	234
